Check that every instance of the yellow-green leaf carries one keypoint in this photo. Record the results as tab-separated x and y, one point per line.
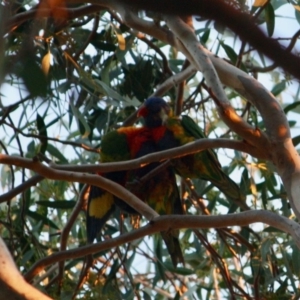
120	37
46	63
259	3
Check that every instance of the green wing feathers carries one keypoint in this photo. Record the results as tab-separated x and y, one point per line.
101	204
204	164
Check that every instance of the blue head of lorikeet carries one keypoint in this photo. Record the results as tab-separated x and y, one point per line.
155	112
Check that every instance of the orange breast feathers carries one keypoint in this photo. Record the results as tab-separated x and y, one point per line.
157	133
136	136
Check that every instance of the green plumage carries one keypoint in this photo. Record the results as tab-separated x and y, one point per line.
204	164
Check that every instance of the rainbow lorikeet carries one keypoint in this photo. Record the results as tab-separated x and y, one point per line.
101	204
170	131
159	191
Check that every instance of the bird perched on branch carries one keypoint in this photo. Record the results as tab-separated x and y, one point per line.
170	131
159	191
118	145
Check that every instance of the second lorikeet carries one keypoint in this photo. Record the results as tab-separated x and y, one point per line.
159	191
170	131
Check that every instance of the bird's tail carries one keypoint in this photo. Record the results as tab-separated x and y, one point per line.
100	207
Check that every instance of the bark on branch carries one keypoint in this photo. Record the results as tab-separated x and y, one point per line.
175	222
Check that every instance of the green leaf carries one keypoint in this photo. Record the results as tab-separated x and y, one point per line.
39	217
270	19
297	15
82	124
272	229
27	256
5	176
180	271
159	269
245	182
265	248
291	107
287	264
278	88
296	259
296	140
56	153
146	296
62	204
205	36
42	132
31	150
230	53
33	76
103	46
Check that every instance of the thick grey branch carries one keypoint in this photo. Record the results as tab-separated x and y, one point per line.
96	180
175	222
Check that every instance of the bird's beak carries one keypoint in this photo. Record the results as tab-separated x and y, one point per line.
164	114
167	110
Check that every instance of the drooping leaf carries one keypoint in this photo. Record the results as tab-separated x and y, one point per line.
46	63
56	153
270	18
259	3
278	88
33	76
58	204
43	219
120	37
42	132
82	124
291	107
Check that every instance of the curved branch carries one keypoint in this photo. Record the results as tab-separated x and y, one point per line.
186	35
166	68
96	180
65	232
280	150
70	13
21	188
175	222
184	150
239	22
12	284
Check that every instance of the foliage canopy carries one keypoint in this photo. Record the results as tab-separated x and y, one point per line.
72	72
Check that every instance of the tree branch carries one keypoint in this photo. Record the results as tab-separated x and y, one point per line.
21	188
184	150
96	180
12	284
165	223
202	62
65	232
239	22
